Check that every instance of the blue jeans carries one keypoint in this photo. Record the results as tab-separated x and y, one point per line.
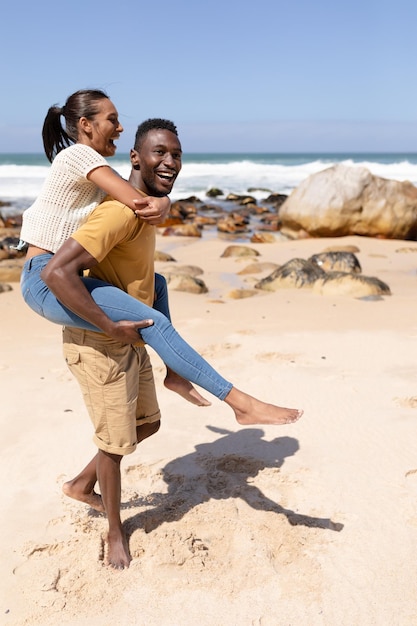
118	305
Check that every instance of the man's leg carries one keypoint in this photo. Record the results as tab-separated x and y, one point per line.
124	412
106	468
82	486
95	360
147	430
108	473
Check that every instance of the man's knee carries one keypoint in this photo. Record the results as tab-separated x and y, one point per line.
103	455
146	430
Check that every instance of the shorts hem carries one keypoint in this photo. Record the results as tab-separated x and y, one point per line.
114	449
149	419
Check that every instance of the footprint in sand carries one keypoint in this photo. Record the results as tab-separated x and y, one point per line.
276	356
411	480
212	350
407	403
411	483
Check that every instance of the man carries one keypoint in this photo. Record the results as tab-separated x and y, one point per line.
114	370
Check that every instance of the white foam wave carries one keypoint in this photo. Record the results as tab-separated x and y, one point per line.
239	176
21	184
402	170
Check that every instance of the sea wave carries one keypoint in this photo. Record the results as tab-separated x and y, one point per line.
21	182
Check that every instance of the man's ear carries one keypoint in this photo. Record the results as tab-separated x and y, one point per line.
134	159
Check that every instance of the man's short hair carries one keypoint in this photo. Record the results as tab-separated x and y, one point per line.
154	123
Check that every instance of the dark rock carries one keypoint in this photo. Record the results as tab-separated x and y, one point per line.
214	192
337	262
297	273
346	284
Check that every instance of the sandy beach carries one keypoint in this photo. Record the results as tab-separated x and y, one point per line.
311	524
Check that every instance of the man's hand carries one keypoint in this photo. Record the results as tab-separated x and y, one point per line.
126	331
153	210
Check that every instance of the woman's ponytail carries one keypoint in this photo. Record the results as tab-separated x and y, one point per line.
54	136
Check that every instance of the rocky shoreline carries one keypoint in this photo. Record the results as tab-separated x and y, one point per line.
336	202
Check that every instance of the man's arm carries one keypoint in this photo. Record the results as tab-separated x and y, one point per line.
62	276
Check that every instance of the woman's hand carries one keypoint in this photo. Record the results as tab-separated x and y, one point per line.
153	210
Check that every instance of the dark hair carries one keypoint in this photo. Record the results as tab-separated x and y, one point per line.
82	103
155	123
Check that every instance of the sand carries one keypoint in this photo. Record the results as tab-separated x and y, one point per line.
312	523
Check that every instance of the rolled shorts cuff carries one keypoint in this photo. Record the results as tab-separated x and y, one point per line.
149	419
101	445
122	451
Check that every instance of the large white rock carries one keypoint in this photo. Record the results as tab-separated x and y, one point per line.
342	200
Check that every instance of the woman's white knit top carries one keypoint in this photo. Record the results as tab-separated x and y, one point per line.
66	198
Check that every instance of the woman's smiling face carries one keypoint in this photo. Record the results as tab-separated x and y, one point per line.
103	129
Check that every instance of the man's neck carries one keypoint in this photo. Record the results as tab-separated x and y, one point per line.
135	179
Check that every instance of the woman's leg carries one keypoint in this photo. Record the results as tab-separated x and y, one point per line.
173	381
162	337
176	353
118	305
180	357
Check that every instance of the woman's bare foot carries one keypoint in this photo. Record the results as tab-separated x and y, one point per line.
249	410
91	498
118	554
175	382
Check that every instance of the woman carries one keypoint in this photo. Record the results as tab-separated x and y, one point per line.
79	176
78	181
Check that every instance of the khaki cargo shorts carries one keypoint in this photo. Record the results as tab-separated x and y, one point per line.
117	384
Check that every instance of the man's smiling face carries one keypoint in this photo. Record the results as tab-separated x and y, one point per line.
159	161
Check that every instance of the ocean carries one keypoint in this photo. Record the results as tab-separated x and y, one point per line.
22	175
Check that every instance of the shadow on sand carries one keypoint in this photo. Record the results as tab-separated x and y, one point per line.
219	470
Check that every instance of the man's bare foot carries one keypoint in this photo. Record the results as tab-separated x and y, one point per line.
175	382
92	498
118	554
249	410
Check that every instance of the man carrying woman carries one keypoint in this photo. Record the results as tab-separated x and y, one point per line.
103	314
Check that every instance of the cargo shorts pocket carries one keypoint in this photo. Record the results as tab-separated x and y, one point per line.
72	356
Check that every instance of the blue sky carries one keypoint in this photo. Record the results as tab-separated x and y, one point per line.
235	76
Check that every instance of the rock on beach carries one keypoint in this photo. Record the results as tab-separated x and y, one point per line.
343	200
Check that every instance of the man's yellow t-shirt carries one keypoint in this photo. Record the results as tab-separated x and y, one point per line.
124	247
